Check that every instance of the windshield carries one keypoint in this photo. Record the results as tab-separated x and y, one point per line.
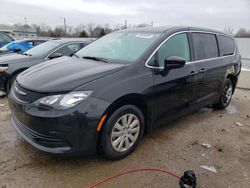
125	46
5	38
43	49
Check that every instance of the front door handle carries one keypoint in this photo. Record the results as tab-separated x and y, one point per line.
202	70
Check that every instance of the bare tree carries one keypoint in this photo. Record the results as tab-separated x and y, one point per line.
143	25
58	32
90	29
69	30
83	34
229	30
243	33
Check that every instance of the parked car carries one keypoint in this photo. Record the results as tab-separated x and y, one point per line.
12	65
20	46
121	86
5	39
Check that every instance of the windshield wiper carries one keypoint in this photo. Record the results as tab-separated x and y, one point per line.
26	54
96	59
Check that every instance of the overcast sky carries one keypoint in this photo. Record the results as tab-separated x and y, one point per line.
216	14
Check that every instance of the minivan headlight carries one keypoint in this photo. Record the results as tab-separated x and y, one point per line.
3	68
63	101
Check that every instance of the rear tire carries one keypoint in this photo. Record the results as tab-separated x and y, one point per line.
226	95
122	132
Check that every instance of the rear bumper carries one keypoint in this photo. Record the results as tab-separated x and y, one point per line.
69	132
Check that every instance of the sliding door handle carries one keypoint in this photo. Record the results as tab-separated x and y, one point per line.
202	70
192	73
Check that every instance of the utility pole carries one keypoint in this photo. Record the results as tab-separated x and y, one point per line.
125	24
26	26
64	21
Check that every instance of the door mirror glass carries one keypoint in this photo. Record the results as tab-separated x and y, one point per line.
55	55
174	62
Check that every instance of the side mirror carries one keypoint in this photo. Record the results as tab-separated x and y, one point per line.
17	50
174	62
55	55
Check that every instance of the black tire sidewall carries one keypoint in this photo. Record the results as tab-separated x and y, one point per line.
10	82
221	104
106	147
228	82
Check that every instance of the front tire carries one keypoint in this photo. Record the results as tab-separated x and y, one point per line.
10	83
226	95
122	132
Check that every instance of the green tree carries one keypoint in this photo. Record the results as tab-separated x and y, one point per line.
102	32
83	34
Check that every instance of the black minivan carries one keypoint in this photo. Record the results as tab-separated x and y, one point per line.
121	86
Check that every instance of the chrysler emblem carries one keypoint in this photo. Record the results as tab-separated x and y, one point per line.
20	92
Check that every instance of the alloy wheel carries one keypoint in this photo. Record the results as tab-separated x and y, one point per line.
125	132
228	91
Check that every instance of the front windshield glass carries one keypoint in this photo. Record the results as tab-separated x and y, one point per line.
5	38
43	49
124	46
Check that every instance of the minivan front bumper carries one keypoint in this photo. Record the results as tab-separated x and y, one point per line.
71	131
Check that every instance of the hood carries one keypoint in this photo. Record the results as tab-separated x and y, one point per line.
15	58
64	74
5	53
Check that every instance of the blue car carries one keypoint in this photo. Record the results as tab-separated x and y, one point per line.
5	39
20	46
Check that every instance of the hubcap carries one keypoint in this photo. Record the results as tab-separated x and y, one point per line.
227	94
125	132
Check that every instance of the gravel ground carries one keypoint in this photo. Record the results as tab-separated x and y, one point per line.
176	146
246	64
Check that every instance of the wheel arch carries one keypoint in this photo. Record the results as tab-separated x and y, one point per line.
137	100
233	79
130	99
18	71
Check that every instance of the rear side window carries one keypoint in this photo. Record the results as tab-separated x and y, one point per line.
69	49
37	42
176	46
226	45
205	46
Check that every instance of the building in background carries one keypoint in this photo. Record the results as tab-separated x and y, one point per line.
19	31
244	47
